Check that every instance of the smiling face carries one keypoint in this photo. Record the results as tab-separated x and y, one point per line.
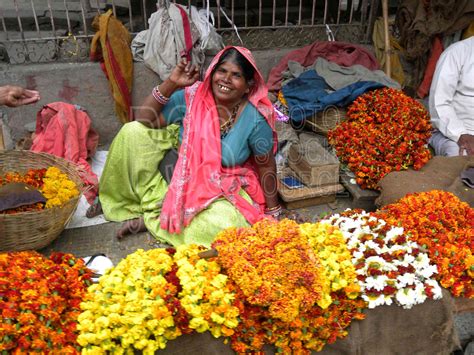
229	84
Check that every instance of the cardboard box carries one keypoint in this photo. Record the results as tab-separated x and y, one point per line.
313	164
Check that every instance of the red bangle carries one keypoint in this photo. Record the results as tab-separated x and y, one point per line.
162	99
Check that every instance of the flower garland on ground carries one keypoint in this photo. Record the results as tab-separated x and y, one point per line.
330	246
273	265
206	295
264	244
39	302
55	186
389	265
128	309
311	330
386	131
444	225
155	296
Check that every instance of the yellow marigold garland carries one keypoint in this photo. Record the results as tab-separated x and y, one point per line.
155	296
127	309
57	187
440	222
330	246
206	295
274	266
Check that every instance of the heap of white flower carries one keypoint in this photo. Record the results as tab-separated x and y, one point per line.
381	259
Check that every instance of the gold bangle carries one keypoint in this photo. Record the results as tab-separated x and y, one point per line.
272	208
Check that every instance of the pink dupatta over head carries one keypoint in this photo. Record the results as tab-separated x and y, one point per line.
199	177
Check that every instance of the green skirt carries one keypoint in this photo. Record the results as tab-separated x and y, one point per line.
131	186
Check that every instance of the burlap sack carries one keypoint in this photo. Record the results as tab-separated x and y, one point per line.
440	173
425	329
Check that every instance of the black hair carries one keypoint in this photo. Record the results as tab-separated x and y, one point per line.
234	56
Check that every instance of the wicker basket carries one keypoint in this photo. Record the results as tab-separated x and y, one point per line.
37	229
326	120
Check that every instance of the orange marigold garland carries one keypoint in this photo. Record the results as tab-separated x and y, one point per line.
444	225
274	266
39	302
311	330
269	254
33	177
385	131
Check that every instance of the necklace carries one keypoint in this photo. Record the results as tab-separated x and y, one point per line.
227	125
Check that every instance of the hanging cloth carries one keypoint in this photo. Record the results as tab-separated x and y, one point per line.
111	47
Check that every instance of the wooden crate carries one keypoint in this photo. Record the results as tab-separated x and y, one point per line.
324	121
364	199
306	196
314	165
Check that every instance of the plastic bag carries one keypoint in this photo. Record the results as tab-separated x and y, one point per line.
175	31
171	35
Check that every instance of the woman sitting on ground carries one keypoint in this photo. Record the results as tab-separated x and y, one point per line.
225	174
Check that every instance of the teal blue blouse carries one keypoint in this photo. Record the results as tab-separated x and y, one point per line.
251	134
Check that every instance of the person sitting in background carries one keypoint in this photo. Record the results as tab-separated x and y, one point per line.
14	96
225	173
451	101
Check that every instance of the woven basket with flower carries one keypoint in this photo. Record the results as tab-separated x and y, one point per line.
35	229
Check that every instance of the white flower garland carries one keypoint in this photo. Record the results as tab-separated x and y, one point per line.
389	265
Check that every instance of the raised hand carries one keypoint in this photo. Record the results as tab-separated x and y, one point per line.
14	96
184	74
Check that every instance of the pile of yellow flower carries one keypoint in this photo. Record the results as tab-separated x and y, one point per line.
289	285
127	309
330	246
57	188
206	295
152	297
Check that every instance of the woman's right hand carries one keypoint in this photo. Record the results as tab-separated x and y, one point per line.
184	74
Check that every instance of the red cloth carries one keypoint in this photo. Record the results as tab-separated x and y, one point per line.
199	178
436	50
65	131
344	54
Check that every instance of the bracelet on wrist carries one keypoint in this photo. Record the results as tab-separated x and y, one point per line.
159	97
277	207
274	211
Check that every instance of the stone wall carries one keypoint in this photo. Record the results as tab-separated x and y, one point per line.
84	84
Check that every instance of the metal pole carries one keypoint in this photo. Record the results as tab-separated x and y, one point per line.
388	66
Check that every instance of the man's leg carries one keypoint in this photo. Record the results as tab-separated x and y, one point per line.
443	146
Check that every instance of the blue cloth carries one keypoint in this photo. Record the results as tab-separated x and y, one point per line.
250	135
308	94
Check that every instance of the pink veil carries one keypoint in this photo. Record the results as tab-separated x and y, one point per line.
199	177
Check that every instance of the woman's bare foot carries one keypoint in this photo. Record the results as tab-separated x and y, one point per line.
132	226
94	210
